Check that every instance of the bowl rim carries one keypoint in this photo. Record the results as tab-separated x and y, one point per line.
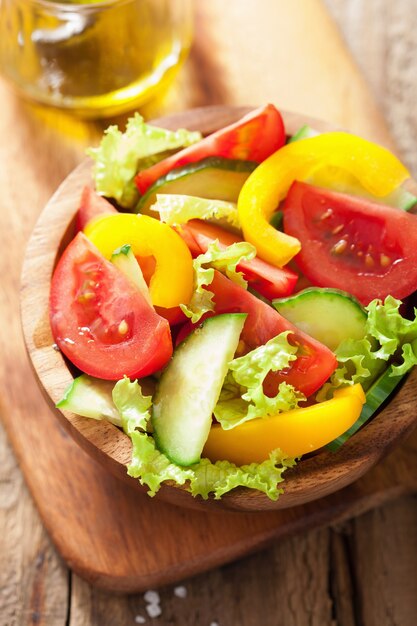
310	479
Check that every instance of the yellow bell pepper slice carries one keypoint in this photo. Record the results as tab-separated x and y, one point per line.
172	281
378	171
295	432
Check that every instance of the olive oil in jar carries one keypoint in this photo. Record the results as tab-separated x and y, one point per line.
94	58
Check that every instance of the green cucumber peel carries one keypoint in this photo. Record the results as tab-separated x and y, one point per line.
215	178
329	315
304	132
376	395
91	397
124	259
277	220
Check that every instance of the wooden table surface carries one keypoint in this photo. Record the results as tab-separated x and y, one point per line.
362	573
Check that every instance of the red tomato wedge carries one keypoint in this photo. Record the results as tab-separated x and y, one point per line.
253	138
101	321
91	206
271	282
365	248
315	363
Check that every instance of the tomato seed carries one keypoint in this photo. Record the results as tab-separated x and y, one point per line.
85	296
384	260
338	229
340	247
326	214
369	261
123	327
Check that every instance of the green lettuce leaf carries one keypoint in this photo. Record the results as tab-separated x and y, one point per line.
178	209
220	477
132	405
242	397
389	336
152	468
202	299
409	359
117	159
223	259
389	328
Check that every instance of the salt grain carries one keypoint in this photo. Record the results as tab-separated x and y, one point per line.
152	597
154	610
139	619
180	591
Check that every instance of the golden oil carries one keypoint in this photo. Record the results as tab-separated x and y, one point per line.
94	58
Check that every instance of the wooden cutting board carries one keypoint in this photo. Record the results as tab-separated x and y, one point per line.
287	53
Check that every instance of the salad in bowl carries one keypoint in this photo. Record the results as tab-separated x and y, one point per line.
237	305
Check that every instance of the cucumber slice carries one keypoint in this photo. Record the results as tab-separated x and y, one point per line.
375	397
91	397
328	315
399	198
303	133
214	178
277	220
125	260
190	387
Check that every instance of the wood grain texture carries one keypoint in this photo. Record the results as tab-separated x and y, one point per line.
384	548
288	52
339	576
33	579
46	147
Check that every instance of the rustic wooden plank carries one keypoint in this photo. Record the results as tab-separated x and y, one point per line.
300	581
286	584
92	607
359	574
340	578
33	579
290	580
384	564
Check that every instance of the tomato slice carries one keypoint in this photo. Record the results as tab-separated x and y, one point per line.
271	282
253	138
315	363
365	248
101	321
91	206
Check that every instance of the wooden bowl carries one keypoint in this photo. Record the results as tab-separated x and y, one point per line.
312	478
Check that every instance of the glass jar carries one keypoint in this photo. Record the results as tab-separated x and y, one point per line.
93	58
